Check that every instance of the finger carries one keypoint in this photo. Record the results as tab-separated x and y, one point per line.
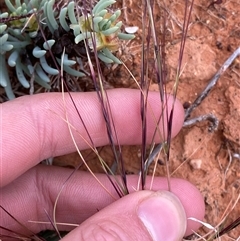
143	215
34	129
80	198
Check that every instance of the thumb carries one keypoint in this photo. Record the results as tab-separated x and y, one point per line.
143	215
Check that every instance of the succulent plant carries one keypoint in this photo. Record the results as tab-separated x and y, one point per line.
35	34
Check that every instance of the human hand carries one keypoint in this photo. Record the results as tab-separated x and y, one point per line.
32	130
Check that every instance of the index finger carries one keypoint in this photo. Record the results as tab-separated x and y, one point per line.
33	128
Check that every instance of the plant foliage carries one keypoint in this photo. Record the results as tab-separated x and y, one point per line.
37	37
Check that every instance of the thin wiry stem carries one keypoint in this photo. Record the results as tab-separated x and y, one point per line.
143	81
23	226
212	83
161	77
107	115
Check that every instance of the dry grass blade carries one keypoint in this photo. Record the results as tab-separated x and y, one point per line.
160	71
16	235
111	131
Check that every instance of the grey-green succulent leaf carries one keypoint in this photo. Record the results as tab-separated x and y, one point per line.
109	55
3	27
38	53
50	14
21	77
3	39
110	31
62	19
126	36
102	4
10	6
48	69
48	44
12	59
5	48
71	13
82	36
104	58
32	58
42	75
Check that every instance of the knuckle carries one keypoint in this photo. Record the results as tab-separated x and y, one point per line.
104	230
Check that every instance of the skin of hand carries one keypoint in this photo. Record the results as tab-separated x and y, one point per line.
33	129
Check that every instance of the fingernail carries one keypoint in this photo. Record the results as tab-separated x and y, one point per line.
163	216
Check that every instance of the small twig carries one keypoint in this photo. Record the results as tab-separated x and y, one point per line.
215	2
152	156
212	83
210	117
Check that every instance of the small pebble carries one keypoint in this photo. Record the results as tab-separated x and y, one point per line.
236	155
131	30
196	163
139	154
